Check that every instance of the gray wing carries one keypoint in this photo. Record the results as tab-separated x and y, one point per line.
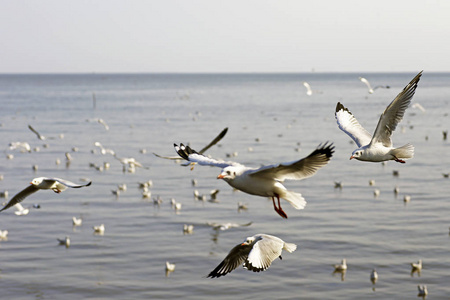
234	259
212	143
263	253
394	112
300	169
348	124
20	196
68	183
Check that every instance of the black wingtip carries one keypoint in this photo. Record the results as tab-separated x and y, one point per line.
340	106
89	183
184	151
326	148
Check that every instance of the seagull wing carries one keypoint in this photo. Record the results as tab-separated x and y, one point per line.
37	133
193	156
299	169
394	112
20	196
68	183
263	253
348	124
236	257
212	143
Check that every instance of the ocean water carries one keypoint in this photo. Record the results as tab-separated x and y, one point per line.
269	113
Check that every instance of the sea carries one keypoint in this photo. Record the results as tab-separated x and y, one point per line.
270	119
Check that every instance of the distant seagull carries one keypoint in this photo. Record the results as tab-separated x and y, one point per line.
100	121
23	146
444	135
188	229
338	185
100	230
376	193
169	268
226	226
416	267
131	162
423	291
407	198
77	222
256	254
104	150
242	206
379	147
265	181
341	267
65	241
39	136
212	143
3	235
308	88
21	211
374	276
42	183
418	106
370	89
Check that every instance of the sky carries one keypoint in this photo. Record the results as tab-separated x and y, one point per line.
212	36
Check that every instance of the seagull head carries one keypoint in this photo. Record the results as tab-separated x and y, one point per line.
356	154
228	173
37	181
248	241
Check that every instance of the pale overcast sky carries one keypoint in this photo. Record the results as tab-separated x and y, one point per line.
53	36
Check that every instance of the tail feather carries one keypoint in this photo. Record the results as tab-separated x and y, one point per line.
289	247
404	152
295	199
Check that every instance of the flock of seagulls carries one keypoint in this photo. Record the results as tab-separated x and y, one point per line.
256	253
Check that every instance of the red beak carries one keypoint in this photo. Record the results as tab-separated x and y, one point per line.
351	157
220	176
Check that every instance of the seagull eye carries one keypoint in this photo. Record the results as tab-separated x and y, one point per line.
228	172
234	173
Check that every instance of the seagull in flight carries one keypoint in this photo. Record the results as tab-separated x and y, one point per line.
256	254
378	148
212	143
42	183
39	136
265	181
370	89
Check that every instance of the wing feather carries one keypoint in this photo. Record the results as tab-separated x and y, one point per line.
193	156
348	124
68	183
263	253
20	196
394	113
298	170
234	259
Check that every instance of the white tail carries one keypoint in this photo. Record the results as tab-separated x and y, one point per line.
289	247
406	151
295	199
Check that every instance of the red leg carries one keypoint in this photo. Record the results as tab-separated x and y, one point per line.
399	160
278	209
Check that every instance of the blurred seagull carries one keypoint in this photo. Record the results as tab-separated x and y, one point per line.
65	241
100	121
416	267
265	181
308	88
24	146
169	268
21	211
374	276
39	136
371	91
104	150
42	183
418	106
379	147
212	143
423	291
226	226
100	230
77	222
341	267
3	235
256	254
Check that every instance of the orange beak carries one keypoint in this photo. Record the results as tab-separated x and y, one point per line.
351	157
220	176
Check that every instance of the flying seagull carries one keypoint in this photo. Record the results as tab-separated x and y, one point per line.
42	183
212	143
370	89
378	148
265	181
256	254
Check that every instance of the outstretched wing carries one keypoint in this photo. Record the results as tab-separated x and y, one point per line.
348	124
394	112
299	169
263	253
20	196
212	143
236	257
193	156
68	183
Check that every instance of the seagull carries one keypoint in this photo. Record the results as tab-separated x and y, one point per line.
131	162
423	291
42	183
256	254
104	150
3	235
169	268
265	181
22	145
39	136
379	147
418	106
371	91
188	229
341	267
76	222
212	143
374	276
416	267
21	211
308	88
65	241
99	229
226	226
100	121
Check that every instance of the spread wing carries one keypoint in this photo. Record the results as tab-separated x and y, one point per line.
263	253
348	124
68	183
300	169
394	112
236	257
193	156
20	196
212	143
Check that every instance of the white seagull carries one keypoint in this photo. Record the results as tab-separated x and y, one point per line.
100	230
370	89
77	222
256	254
42	183
308	88
378	148
212	143
265	181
